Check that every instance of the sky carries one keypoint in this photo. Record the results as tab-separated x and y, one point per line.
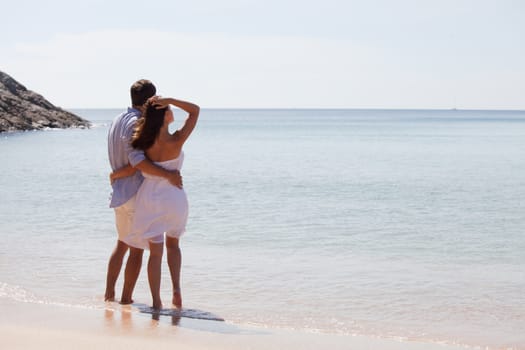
271	54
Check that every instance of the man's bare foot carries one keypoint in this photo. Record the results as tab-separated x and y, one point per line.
126	301
177	299
109	296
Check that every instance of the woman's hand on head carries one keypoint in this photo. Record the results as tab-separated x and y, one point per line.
154	101
160	102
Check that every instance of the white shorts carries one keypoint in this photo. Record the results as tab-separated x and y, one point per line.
124	218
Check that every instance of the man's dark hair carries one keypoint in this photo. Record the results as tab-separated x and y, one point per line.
141	90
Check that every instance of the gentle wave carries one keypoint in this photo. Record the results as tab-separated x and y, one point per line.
19	294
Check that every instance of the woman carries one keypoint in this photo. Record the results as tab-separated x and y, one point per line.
160	207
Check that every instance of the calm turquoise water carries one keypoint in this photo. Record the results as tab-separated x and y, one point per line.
391	223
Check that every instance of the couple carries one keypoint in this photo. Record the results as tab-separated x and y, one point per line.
148	197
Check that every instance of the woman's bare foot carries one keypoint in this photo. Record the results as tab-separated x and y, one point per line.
177	299
126	301
157	305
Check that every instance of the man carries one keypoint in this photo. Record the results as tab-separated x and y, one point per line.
123	197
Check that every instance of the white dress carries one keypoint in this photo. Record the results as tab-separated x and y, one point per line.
160	208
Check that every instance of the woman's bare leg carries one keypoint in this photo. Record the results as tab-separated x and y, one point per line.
174	263
154	271
114	266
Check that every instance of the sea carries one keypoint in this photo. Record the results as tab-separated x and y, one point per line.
405	224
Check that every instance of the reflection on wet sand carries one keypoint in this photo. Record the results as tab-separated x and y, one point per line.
121	318
130	319
112	318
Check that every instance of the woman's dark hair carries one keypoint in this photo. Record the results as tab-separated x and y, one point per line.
141	90
148	126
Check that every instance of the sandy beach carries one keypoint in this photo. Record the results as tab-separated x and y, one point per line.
40	326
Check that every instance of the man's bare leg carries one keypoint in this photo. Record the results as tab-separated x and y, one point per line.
131	274
114	266
174	263
154	272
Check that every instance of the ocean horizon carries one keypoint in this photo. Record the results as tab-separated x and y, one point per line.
404	224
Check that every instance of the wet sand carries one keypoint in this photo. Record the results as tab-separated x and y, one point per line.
40	326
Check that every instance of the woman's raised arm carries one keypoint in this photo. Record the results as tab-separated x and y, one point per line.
193	114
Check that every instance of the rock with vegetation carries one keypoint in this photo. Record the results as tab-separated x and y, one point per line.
22	109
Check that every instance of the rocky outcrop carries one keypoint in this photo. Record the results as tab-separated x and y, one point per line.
22	109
